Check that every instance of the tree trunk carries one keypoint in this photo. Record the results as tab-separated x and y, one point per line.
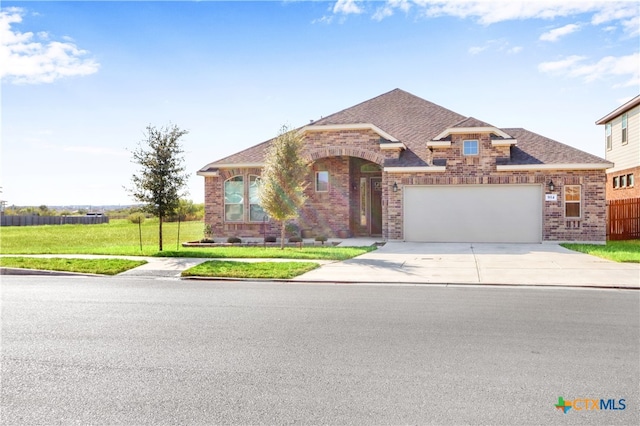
282	232
160	233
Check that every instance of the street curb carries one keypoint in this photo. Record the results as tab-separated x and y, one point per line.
41	272
409	284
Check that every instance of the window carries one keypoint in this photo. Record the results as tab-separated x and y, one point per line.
607	132
624	129
623	181
256	214
572	201
322	181
616	182
470	147
234	199
630	179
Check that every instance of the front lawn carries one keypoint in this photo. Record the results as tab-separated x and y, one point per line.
86	266
230	269
121	237
618	251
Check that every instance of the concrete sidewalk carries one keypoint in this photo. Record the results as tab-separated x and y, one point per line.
438	263
464	263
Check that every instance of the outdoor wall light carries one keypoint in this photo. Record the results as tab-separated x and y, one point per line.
551	186
395	186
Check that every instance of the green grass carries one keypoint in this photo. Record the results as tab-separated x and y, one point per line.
238	252
230	269
618	251
121	237
87	266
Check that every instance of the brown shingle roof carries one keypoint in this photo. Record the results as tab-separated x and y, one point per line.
414	121
533	148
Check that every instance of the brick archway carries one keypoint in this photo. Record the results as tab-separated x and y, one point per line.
340	151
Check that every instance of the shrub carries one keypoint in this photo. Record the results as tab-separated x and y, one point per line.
321	238
292	229
270	239
208	232
233	240
207	240
137	218
295	239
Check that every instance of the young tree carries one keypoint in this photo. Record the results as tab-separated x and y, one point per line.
283	177
161	180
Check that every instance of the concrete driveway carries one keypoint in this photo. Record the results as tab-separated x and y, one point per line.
465	263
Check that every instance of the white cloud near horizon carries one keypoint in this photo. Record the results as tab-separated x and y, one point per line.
26	58
95	150
555	34
625	67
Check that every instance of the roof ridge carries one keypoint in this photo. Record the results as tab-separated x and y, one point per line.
361	103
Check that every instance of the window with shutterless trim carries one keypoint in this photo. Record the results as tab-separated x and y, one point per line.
624	129
322	181
607	132
572	201
470	147
256	213
234	199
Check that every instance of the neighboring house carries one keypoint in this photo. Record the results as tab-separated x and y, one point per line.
622	139
402	168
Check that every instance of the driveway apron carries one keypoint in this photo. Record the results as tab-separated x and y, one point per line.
466	263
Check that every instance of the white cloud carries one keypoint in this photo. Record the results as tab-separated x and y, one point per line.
474	50
499	45
561	65
556	33
33	59
389	9
347	7
624	70
489	12
95	150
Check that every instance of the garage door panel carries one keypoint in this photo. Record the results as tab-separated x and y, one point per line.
473	213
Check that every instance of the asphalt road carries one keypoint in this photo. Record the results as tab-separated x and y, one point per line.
149	351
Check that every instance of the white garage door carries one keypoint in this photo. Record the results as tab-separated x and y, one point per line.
473	213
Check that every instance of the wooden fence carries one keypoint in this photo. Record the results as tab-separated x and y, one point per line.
623	217
32	220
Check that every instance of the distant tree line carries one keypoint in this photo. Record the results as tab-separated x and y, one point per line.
187	210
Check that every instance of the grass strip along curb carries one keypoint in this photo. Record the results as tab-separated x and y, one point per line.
85	266
618	251
265	270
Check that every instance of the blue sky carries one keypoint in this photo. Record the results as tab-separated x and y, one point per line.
82	80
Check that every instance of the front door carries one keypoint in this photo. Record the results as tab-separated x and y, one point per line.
376	206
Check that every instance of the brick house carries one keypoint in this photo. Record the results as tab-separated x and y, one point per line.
402	168
622	141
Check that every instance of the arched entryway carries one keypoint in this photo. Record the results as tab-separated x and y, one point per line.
345	194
